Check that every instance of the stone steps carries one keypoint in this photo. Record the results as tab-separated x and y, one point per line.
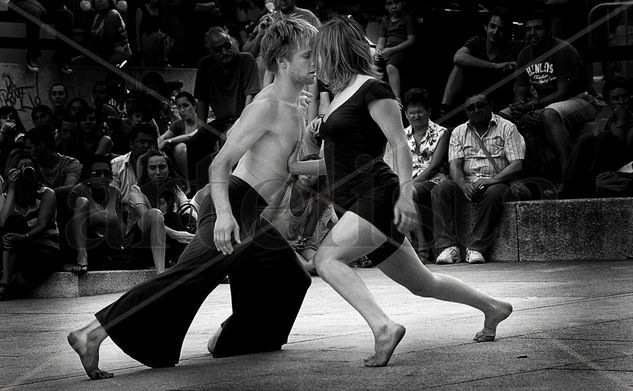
560	230
67	284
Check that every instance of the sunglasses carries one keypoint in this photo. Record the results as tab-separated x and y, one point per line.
478	105
101	173
225	46
161	166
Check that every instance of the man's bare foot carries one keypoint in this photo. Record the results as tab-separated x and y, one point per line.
386	343
88	352
493	318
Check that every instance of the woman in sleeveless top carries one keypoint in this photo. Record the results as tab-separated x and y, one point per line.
375	205
30	238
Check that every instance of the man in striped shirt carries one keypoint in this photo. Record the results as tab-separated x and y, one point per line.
476	177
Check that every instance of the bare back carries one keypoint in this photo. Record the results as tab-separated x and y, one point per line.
264	166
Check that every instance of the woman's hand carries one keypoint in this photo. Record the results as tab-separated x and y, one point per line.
226	229
304	102
14	174
405	215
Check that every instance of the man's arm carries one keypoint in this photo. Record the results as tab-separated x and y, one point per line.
464	58
457	175
251	127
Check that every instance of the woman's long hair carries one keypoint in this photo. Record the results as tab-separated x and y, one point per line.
167	188
342	51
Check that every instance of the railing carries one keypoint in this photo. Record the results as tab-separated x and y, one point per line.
611	41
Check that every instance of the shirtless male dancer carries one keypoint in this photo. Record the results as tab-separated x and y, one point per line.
150	321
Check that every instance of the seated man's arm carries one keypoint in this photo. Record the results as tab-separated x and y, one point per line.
457	175
464	58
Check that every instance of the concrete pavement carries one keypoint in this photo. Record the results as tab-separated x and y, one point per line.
572	328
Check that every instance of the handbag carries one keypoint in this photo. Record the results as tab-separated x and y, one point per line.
517	187
187	213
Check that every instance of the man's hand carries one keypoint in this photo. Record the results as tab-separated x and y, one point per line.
405	215
226	229
470	190
506	66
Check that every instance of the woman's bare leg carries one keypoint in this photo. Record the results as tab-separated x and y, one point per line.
404	268
80	229
86	342
154	221
351	238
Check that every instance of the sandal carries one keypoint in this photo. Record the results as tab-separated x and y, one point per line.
79	269
4	292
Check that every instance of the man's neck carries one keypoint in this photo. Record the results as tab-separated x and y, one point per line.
287	90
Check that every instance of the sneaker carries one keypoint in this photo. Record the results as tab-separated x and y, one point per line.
473	256
31	65
424	254
449	255
63	65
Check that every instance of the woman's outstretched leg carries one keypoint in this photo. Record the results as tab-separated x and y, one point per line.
404	268
86	342
351	238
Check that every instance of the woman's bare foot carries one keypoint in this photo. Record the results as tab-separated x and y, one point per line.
493	318
88	350
386	343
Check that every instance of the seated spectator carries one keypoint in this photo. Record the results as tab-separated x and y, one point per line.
561	105
476	176
108	34
226	80
97	223
73	108
429	149
289	10
59	172
161	206
395	41
152	40
49	11
176	139
485	63
30	239
121	133
93	140
302	218
101	101
42	115
163	112
126	168
67	139
609	149
11	132
200	15
58	98
253	42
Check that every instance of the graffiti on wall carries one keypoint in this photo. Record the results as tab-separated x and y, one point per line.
20	97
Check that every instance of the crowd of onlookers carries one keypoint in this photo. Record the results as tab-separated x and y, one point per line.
115	180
